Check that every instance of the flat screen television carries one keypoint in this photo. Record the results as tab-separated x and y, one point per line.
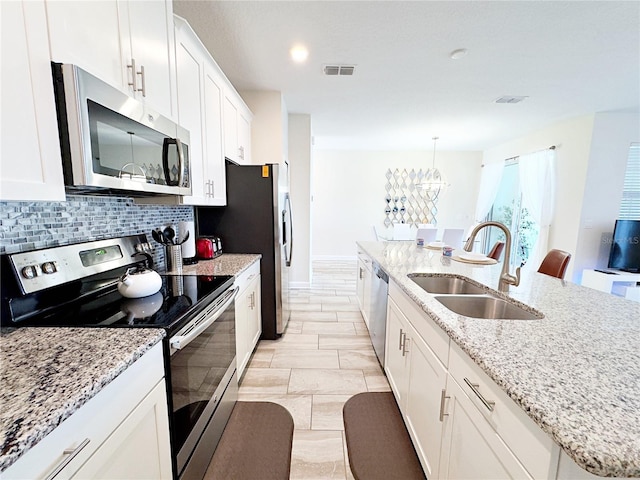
625	246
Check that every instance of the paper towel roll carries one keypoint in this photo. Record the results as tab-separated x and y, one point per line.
188	247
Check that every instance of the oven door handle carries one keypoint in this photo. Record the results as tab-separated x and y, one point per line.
189	333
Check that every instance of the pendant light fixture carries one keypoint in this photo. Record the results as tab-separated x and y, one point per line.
433	181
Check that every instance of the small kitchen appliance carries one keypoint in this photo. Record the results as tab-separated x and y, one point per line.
110	141
78	286
208	247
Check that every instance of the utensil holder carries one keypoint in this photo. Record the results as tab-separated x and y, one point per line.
173	258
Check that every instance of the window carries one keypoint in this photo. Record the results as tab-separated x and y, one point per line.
630	204
507	209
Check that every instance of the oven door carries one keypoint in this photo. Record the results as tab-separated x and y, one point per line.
203	383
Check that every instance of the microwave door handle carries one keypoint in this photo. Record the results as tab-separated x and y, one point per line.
165	161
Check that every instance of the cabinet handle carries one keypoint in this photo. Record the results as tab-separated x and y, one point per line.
72	453
142	81
241	152
405	350
134	73
402	336
474	387
443	397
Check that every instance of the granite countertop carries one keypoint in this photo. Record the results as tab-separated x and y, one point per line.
576	372
225	264
46	374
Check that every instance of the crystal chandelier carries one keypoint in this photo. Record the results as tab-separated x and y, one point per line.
433	181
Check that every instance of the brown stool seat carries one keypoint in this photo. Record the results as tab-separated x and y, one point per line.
555	263
496	251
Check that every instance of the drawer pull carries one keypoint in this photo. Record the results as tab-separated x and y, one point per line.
443	397
474	387
405	350
72	453
403	336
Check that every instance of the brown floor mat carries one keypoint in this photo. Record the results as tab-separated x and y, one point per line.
378	443
255	445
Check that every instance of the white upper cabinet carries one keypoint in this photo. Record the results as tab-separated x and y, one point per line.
30	162
128	44
200	86
237	128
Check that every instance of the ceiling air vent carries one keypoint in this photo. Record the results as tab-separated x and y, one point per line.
339	69
510	99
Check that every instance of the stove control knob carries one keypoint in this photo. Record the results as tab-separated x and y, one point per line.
49	267
29	272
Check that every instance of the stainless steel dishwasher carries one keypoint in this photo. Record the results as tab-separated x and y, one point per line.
378	311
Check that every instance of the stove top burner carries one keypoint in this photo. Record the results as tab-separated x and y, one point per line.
179	295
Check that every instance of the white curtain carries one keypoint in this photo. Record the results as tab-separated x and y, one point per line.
538	186
490	179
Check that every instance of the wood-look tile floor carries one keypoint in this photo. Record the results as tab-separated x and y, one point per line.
324	357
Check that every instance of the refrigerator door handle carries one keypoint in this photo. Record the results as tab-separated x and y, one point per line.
287	221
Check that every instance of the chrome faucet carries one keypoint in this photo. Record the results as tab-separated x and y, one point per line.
506	278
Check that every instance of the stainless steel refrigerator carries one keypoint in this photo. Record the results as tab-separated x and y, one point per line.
257	219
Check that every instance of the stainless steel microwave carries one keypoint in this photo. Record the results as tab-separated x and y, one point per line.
111	141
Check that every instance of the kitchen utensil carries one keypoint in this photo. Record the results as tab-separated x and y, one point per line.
157	236
169	234
140	281
173	258
184	239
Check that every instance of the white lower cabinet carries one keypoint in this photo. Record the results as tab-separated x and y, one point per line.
363	285
471	448
120	433
417	379
463	426
248	315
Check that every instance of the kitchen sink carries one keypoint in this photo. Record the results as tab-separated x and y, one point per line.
485	307
446	285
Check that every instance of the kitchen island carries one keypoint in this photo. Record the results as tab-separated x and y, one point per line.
575	372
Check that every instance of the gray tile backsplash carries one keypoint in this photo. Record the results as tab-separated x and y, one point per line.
30	225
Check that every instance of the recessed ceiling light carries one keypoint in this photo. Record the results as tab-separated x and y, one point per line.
459	53
299	53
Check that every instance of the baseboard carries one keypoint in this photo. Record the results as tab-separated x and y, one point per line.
299	285
334	258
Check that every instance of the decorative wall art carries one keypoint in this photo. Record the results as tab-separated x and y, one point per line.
407	201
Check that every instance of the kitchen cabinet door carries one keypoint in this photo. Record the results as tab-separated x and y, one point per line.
30	153
200	111
396	360
215	185
138	448
363	285
427	380
248	315
471	448
237	128
151	44
128	44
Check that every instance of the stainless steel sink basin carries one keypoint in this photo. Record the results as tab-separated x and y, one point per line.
446	285
485	307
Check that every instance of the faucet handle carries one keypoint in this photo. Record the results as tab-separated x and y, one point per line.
509	279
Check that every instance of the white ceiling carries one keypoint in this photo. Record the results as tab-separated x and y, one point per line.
570	58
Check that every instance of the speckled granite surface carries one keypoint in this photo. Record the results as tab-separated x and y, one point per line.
46	374
225	264
576	372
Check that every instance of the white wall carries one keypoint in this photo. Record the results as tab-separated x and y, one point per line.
269	126
300	169
612	136
590	154
348	193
